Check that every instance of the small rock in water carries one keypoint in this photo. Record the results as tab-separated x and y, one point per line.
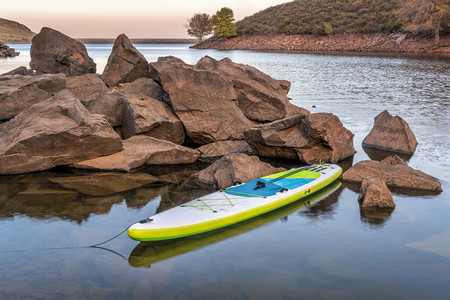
375	193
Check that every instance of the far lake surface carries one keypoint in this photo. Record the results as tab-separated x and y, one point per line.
329	249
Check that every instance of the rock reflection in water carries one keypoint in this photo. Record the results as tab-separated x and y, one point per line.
76	197
375	216
148	253
379	155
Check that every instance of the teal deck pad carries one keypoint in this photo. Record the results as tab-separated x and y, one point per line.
248	189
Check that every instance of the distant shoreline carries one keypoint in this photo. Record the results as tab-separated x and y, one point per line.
337	43
138	41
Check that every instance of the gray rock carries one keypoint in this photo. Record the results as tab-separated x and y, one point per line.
53	52
56	131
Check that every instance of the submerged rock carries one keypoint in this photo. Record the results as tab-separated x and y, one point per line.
139	151
56	131
231	169
19	92
391	133
53	52
394	160
396	176
125	63
375	193
308	138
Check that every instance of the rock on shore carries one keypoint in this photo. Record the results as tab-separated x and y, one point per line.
19	92
57	131
53	52
125	63
6	51
66	118
307	138
216	100
141	150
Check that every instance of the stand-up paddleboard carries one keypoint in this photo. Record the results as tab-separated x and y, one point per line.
235	204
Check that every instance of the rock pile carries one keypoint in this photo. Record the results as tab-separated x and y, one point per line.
138	114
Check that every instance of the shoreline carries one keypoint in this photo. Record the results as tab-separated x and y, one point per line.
398	43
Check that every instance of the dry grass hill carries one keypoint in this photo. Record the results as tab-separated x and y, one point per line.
14	32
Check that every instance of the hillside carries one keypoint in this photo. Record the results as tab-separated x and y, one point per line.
316	16
14	32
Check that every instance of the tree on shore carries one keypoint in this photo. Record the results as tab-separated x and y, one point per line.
200	26
223	23
427	15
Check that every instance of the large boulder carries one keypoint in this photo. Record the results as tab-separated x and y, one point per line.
19	92
396	176
97	98
204	101
53	52
139	151
391	133
144	113
231	169
125	63
56	131
216	150
308	138
259	96
375	193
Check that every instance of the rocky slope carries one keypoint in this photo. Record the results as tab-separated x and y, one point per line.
14	32
345	42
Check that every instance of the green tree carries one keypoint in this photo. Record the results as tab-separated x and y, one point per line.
427	15
200	26
223	23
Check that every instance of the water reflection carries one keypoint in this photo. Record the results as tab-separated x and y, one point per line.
374	216
76	196
379	155
146	254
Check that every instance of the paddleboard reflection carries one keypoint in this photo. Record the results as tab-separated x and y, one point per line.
147	253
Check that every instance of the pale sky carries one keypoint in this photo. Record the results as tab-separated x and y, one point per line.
109	18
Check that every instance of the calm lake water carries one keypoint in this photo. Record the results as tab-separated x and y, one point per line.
329	249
